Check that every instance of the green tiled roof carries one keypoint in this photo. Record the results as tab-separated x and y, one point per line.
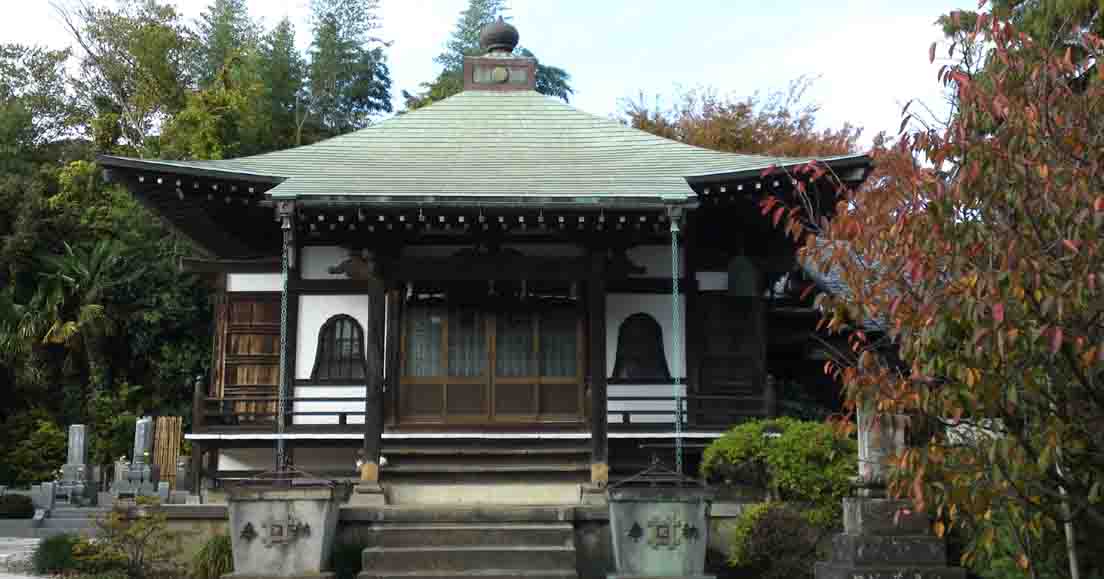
505	146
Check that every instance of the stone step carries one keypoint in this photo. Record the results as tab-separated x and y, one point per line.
452	467
482	574
450	489
469	535
65	525
387	561
77	513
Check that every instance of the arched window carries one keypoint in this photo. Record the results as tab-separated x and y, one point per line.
340	354
640	350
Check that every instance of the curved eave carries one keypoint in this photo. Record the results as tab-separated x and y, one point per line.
191	169
841	165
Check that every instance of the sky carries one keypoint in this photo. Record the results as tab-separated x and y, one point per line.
869	57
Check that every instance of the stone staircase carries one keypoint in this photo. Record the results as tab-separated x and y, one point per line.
488	550
466	472
63	519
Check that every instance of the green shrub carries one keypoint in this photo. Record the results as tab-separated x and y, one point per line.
34	449
774	541
347	559
805	462
137	539
56	554
214	560
16	507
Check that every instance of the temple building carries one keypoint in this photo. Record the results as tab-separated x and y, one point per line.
494	291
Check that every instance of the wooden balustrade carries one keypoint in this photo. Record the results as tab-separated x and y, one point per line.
627	413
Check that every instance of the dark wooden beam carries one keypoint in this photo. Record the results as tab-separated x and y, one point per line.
487	267
199	265
333	286
596	318
645	285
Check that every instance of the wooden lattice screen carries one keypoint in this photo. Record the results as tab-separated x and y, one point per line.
167	436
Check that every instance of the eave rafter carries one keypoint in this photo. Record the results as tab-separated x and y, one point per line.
226	218
321	222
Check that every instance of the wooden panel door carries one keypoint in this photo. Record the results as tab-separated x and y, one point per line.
472	366
732	358
251	354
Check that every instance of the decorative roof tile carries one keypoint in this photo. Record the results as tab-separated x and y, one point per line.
518	146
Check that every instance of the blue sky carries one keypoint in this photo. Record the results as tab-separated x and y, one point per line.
870	56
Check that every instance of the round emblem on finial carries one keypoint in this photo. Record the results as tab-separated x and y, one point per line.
498	36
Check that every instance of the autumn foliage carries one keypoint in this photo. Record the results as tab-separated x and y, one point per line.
780	123
978	245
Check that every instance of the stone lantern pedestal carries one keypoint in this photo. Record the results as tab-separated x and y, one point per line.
884	538
283	528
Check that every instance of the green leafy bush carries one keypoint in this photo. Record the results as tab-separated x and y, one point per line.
774	541
56	554
16	507
801	462
35	449
215	559
137	540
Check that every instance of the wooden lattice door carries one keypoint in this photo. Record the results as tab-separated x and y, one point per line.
251	355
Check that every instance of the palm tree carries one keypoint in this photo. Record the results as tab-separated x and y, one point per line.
73	306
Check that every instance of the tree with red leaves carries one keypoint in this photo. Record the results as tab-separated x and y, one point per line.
979	245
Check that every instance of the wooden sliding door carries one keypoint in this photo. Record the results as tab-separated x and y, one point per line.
476	365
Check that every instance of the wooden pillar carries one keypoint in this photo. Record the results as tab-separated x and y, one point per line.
373	399
391	349
221	316
692	332
199	406
596	315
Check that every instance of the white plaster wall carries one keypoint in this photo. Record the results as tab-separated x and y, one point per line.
712	280
306	458
246	459
616	408
621	306
656	260
315	261
253	282
351	391
314	310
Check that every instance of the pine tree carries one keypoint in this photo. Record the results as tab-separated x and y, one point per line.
224	31
465	37
551	81
348	77
282	71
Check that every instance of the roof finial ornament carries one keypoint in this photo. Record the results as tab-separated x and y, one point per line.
498	36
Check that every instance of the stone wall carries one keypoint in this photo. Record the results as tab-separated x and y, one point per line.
197	523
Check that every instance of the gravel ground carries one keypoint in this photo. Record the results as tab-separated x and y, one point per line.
15	557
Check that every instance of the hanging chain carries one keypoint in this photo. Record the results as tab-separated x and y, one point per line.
281	392
676	341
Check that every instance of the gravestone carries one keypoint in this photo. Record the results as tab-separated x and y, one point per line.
883	538
76	486
137	477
